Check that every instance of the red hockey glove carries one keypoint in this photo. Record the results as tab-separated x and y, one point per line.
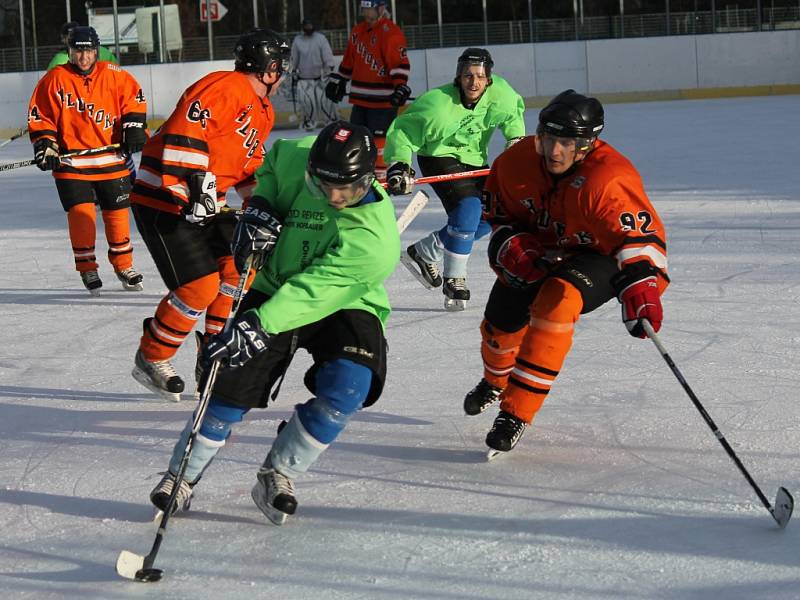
637	290
515	257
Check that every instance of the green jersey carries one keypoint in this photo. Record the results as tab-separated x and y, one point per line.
325	259
438	124
62	58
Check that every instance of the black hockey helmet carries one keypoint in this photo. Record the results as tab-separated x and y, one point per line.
342	154
475	56
261	51
572	115
83	38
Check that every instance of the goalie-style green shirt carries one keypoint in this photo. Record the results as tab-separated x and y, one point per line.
438	124
325	259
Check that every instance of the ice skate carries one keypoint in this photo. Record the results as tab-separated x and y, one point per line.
162	492
427	273
159	377
456	293
131	280
481	397
273	493
504	434
92	282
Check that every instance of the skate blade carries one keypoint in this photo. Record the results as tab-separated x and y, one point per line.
413	268
142	378
137	287
94	292
128	564
491	454
784	506
273	514
158	515
452	305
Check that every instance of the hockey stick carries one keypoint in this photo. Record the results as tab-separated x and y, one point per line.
31	161
447	177
451	176
411	211
140	568
16	136
784	503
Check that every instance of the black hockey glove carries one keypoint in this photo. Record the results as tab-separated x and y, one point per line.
336	88
45	153
256	233
237	344
399	179
133	135
399	96
202	204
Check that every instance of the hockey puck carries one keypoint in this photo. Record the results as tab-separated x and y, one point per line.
149	575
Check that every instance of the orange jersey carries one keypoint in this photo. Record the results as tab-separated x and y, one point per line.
219	125
86	111
600	206
375	61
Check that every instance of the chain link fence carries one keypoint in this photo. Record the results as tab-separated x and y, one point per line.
726	20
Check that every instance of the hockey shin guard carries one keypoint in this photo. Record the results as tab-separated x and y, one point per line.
175	317
459	234
220	308
342	386
213	433
430	248
554	312
81	220
499	352
120	249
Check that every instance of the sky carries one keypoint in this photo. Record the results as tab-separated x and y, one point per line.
618	490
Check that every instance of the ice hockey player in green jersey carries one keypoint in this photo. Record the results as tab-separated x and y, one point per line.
328	233
449	128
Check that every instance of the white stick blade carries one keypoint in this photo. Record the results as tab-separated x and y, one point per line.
414	207
128	564
784	505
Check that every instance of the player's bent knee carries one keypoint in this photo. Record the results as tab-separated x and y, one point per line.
342	387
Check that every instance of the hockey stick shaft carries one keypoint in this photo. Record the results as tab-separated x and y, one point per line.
713	426
447	177
16	136
88	151
207	385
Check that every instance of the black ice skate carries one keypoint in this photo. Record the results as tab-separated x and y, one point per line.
273	493
504	434
425	272
162	492
131	280
159	377
456	293
92	282
481	397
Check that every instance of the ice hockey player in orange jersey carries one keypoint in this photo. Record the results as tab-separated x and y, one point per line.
376	65
572	229
212	141
81	105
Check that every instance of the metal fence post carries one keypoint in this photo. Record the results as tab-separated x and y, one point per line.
22	33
